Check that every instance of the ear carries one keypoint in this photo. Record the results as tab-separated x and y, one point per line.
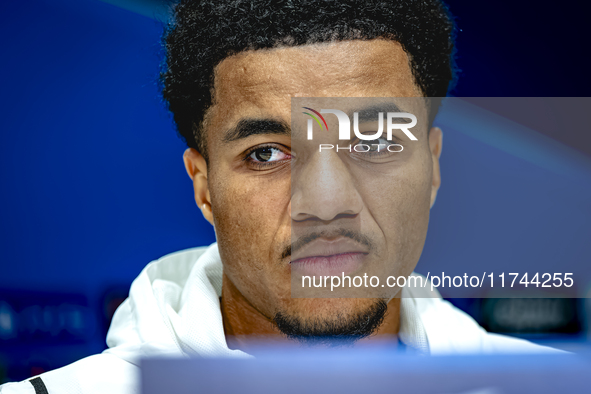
196	167
435	146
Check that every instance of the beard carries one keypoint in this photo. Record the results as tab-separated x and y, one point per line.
337	331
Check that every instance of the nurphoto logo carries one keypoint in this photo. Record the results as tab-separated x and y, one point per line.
392	119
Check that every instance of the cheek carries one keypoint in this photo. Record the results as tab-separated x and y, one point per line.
250	215
399	203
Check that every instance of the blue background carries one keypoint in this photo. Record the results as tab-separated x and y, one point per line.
93	185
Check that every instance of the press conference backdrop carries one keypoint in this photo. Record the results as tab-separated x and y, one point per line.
93	185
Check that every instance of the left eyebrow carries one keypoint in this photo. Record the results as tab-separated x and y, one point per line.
249	127
370	114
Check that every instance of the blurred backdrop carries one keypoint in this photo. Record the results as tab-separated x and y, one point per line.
93	185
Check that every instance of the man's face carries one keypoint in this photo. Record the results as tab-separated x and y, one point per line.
259	209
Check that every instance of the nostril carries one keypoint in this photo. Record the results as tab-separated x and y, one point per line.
304	217
312	218
346	216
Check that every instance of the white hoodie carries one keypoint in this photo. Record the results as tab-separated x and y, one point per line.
173	310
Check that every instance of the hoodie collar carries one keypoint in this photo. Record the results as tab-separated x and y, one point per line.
173	309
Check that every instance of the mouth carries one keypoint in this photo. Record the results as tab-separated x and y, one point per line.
331	265
329	257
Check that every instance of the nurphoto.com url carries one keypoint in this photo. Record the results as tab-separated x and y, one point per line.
509	279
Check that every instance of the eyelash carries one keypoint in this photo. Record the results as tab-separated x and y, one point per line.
261	165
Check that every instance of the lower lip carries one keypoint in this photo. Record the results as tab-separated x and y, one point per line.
334	265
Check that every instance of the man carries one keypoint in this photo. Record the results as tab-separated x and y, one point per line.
232	71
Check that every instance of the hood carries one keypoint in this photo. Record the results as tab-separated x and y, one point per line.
173	310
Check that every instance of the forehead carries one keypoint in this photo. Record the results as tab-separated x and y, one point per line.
261	83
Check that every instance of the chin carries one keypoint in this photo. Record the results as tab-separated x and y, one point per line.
324	309
331	322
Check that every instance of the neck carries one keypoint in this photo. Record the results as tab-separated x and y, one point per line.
245	327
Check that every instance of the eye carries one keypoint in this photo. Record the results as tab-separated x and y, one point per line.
268	154
379	144
378	150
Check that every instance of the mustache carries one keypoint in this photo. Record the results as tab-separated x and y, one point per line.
306	239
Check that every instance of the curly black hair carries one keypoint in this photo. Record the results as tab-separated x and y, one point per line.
205	32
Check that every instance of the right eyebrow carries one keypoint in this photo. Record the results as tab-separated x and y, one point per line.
249	127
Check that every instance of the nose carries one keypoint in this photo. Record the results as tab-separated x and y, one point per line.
323	188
